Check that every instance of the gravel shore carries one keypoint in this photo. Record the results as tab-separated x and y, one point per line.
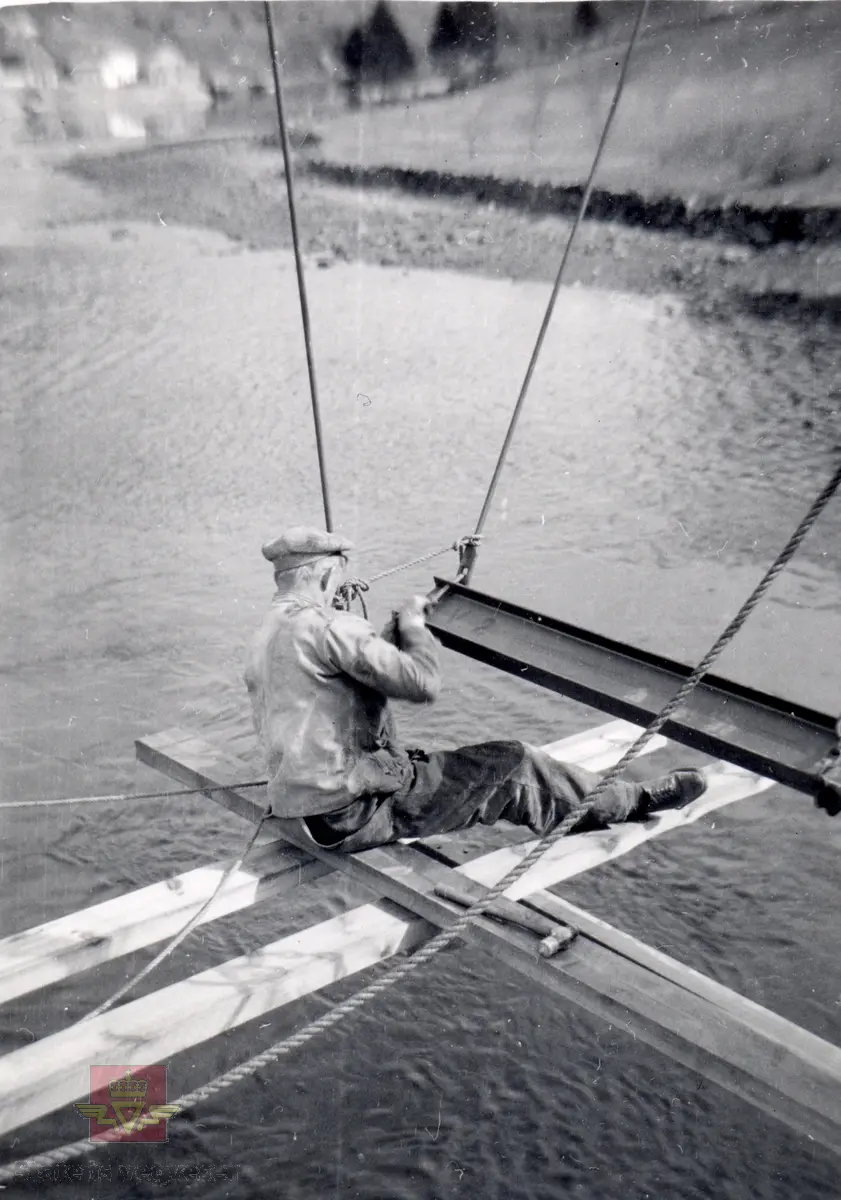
235	186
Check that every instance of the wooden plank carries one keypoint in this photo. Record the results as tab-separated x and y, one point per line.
81	940
45	954
52	1073
573	855
555	908
599	748
649	1006
596	749
180	745
48	953
49	1074
172	751
781	1068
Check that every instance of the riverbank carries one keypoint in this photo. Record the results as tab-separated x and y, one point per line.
236	187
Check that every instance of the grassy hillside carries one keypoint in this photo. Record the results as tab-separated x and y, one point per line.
724	100
740	106
232	37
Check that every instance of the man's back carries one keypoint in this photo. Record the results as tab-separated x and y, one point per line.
319	681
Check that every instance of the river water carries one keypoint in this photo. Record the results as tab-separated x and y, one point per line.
156	429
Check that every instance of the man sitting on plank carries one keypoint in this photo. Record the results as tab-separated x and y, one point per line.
320	681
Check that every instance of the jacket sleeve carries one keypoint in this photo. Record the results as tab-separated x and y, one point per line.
411	673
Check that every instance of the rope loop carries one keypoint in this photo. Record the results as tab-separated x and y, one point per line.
348	592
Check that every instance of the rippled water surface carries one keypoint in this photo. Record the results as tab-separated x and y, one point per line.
156	428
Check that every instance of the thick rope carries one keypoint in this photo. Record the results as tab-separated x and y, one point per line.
447	936
299	266
348	592
582	208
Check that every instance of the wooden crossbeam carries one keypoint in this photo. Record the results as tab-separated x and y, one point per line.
574	855
184	756
750	1051
80	941
52	1073
38	957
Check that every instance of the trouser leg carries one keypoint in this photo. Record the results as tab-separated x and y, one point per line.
495	781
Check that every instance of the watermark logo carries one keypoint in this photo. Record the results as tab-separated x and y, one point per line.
128	1104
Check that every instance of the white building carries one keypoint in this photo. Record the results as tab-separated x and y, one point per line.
109	67
168	67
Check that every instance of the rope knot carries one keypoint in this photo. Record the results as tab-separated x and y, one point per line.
469	539
348	592
467	548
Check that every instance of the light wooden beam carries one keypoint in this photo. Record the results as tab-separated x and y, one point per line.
45	954
52	1073
753	1053
573	855
80	941
770	1062
187	757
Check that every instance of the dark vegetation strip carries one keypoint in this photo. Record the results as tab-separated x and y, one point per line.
737	222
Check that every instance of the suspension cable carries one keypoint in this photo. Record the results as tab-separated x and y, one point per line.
550	308
299	268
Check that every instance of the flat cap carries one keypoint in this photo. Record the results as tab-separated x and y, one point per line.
301	545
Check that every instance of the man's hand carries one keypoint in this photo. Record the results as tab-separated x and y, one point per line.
414	611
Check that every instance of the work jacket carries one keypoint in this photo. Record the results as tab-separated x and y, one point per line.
319	682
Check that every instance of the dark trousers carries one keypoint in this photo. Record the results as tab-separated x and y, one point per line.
454	789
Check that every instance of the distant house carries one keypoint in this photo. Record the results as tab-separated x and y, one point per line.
168	67
123	126
110	67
